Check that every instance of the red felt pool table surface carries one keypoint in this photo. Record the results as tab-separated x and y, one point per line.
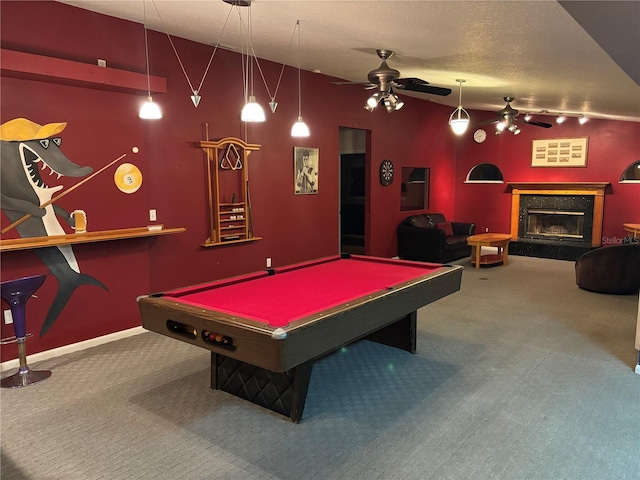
300	290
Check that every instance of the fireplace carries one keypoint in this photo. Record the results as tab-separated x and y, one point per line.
554	224
556	220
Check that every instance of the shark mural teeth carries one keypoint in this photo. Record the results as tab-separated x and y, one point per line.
31	161
27	151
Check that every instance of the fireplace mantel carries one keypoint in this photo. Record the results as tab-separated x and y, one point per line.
597	189
558	185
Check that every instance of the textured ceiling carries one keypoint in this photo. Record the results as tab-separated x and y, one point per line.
572	57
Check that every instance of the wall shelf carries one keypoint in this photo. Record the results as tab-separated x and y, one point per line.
88	237
28	66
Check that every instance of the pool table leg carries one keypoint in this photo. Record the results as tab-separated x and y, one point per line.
283	392
300	388
400	334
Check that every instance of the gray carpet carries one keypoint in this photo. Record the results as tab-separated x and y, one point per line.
520	375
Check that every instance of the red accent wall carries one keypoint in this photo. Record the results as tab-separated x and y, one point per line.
103	124
612	147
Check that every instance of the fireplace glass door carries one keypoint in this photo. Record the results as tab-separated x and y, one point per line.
555	223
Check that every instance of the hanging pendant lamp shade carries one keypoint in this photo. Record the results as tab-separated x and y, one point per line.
150	110
459	119
252	111
300	129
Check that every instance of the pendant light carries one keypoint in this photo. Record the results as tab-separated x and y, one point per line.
252	111
459	119
299	128
148	110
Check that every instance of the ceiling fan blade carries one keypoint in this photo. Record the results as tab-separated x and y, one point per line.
367	85
489	122
350	83
419	85
539	124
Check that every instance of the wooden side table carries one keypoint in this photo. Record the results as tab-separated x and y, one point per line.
632	228
499	240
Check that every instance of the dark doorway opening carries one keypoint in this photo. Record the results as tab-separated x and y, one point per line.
353	190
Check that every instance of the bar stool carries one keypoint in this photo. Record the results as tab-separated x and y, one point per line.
16	293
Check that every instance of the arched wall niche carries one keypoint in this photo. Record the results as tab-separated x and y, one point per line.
484	173
631	173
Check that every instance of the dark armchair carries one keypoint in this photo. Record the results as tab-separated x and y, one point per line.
614	269
429	237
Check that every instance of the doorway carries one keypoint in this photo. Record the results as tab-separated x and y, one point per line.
353	190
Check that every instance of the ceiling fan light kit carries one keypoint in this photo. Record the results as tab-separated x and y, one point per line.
384	79
372	102
507	119
392	102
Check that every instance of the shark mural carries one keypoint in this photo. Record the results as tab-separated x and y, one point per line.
30	163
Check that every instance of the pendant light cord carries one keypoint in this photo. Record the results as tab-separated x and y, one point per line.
285	60
249	49
299	85
175	51
251	52
146	45
252	56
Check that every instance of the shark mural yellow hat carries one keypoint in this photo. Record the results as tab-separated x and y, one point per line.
21	129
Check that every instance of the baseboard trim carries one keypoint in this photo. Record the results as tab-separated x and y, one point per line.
74	347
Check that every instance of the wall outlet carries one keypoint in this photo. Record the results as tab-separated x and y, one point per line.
268	262
102	63
8	318
486	229
152	215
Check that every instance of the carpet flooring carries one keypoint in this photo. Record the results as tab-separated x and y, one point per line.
519	375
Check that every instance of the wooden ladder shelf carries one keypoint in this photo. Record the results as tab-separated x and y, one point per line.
228	191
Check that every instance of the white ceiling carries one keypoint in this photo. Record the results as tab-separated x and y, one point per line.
534	51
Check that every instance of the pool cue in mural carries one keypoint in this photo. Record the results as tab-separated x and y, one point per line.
69	190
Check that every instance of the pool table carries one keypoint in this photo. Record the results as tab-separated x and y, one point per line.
265	329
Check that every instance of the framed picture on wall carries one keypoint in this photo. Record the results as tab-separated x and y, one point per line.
559	152
305	163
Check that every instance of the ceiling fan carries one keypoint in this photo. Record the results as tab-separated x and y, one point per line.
506	119
384	79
